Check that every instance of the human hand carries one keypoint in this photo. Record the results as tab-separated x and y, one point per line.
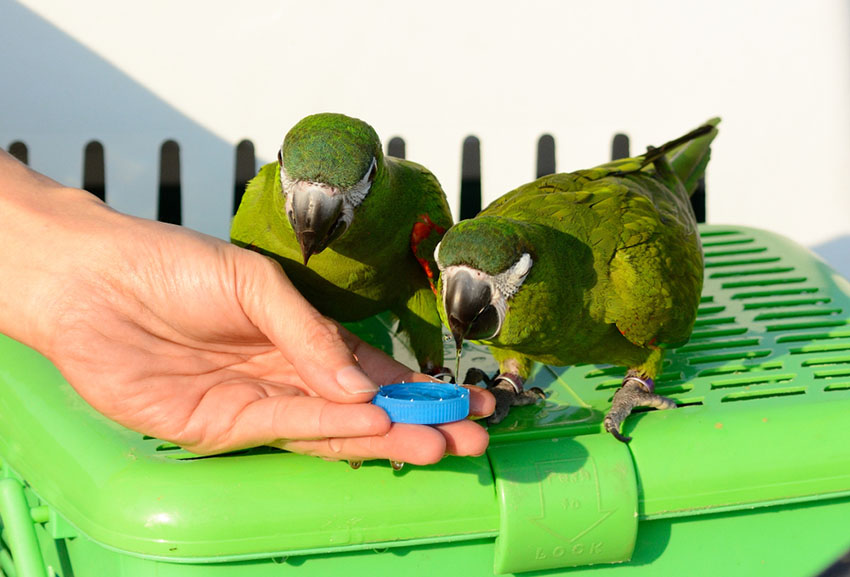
192	340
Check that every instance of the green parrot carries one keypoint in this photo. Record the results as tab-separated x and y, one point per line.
602	265
354	230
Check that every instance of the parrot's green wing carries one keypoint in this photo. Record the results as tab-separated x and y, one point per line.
430	224
256	217
426	224
635	216
656	266
643	237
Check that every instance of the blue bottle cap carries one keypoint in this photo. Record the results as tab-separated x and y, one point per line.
427	403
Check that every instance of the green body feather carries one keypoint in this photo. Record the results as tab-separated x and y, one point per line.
372	267
617	262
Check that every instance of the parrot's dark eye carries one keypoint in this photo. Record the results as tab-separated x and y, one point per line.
485	325
280	157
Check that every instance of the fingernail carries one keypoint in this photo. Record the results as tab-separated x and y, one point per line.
355	381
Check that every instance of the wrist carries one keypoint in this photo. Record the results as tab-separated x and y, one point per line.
46	228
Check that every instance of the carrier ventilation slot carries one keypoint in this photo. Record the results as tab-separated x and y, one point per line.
775	293
753	272
263	450
734	252
820	348
710	334
760	379
605	372
688	402
764	394
794	314
733	356
714	321
668	378
744	262
820	361
609	384
740	368
802	326
762	282
832	373
714	233
805	337
786	303
714	345
166	448
710	310
727	242
674	389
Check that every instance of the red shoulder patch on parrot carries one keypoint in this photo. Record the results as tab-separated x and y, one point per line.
422	229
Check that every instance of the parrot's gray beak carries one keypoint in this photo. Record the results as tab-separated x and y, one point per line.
469	309
314	212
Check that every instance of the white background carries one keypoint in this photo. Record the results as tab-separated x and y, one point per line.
209	74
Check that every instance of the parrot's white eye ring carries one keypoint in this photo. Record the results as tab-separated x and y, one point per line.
355	195
508	282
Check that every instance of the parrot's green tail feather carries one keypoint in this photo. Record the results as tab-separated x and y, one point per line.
688	155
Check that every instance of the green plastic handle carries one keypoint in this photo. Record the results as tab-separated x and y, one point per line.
18	522
564	502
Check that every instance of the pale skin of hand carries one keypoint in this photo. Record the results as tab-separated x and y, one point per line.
190	339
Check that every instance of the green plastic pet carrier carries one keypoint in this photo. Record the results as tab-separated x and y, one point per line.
749	476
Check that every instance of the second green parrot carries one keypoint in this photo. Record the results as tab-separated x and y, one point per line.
596	266
354	230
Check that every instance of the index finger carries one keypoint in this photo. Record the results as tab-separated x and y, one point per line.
309	341
379	366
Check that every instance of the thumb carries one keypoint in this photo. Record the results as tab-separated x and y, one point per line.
312	343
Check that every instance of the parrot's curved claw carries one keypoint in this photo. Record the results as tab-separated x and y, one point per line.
474	376
617	434
396	465
635	392
509	392
354	464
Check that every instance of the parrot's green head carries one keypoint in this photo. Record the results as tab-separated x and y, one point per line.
483	263
328	163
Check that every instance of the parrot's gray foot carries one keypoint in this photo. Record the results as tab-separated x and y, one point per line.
635	392
509	392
